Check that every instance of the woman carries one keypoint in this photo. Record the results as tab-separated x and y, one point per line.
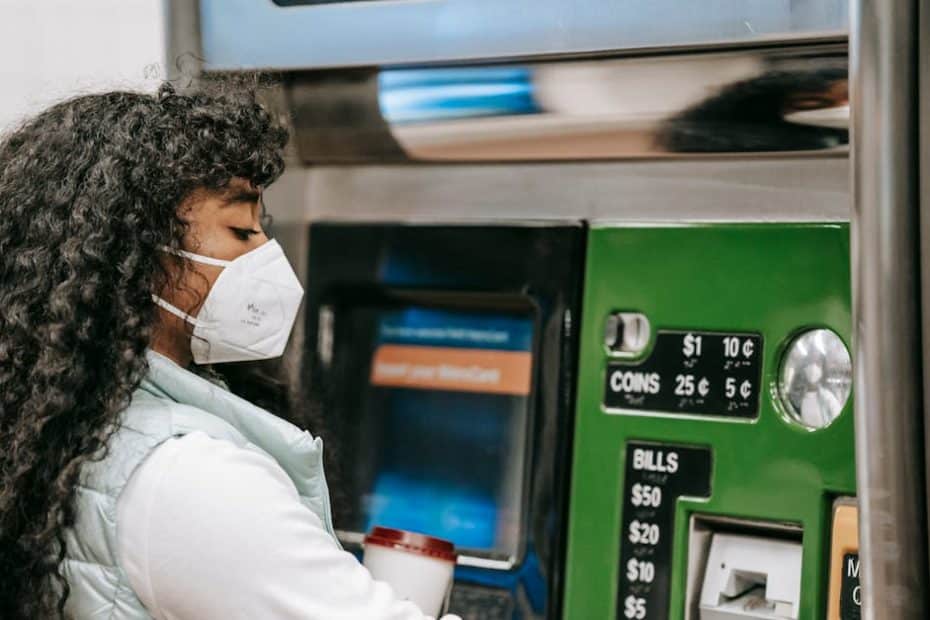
133	485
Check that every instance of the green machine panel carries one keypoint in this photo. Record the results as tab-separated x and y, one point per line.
687	463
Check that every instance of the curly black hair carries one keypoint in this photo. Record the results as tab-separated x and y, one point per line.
89	189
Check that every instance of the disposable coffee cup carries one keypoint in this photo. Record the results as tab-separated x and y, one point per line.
418	567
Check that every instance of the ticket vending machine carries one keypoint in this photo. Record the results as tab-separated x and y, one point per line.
714	425
709	471
443	357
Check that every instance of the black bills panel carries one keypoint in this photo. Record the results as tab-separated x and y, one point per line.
691	372
656	475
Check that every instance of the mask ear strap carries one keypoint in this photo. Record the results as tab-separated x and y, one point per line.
197	258
175	310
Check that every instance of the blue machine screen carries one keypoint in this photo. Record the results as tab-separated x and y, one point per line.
451	392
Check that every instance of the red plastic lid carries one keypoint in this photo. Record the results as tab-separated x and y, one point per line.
412	542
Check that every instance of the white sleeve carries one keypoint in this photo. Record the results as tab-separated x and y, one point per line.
207	530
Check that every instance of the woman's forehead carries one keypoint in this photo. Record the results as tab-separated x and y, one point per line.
237	193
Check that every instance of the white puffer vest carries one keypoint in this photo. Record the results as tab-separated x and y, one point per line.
171	402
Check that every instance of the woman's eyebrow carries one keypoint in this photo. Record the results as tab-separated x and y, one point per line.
234	196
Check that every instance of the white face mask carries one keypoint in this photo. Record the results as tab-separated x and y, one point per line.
249	312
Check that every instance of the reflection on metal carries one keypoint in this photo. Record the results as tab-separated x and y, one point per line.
815	378
886	292
336	117
709	190
742	101
260	34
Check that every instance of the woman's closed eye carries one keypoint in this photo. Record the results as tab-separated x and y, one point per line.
243	234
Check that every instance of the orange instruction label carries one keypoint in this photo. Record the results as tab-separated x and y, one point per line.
452	369
845	591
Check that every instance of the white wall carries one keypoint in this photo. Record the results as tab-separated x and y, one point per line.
50	49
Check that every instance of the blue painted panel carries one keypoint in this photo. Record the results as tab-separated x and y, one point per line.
261	34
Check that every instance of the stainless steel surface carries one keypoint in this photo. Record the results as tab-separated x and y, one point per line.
886	293
747	101
761	190
183	53
923	72
258	34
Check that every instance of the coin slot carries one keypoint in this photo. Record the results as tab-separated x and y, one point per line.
626	334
